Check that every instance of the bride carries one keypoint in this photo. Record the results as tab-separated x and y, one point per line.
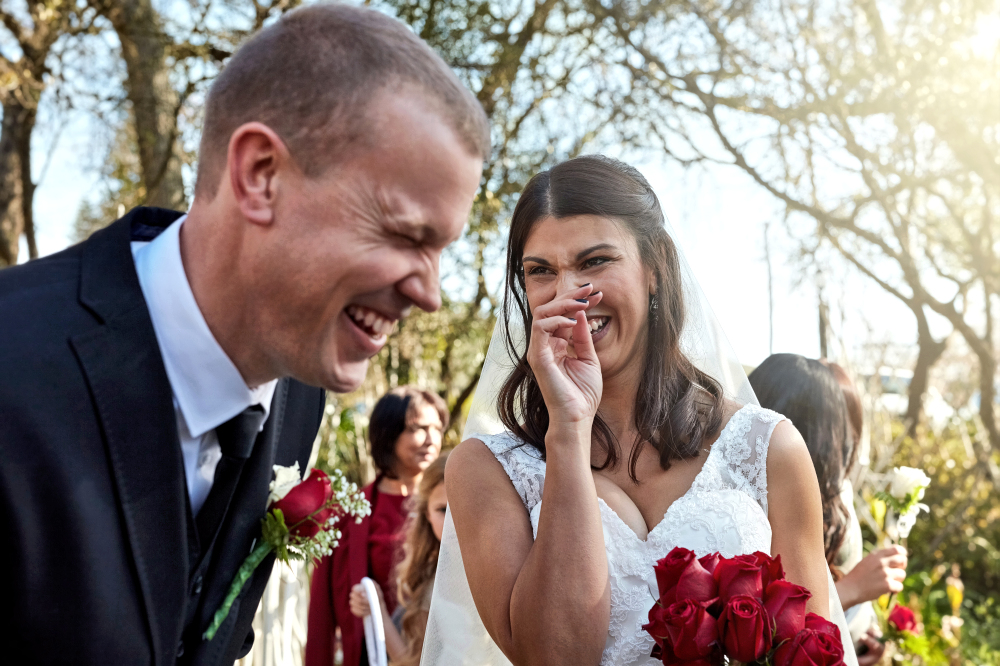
615	445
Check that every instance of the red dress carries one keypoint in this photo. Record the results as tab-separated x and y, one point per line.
371	548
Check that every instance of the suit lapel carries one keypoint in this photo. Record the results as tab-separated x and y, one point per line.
240	530
133	400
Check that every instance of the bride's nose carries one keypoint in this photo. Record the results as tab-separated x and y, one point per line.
568	280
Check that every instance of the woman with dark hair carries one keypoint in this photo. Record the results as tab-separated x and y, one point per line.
405	437
820	399
615	447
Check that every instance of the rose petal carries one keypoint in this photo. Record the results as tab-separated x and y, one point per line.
306	498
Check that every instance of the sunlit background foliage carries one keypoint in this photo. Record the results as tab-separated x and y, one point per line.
874	125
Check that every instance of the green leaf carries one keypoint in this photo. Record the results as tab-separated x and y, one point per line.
275	533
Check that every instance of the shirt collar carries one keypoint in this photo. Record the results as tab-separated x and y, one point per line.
208	389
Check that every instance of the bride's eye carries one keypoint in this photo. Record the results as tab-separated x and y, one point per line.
595	261
537	270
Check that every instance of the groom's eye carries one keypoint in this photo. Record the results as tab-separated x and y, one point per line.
408	240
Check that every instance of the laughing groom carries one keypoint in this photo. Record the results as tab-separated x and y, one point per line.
151	376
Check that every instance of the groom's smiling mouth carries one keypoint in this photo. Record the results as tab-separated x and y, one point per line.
374	324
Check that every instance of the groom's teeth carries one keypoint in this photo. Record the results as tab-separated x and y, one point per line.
375	323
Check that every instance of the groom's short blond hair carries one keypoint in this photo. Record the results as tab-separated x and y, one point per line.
311	77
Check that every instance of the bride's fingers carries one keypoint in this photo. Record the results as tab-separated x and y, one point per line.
567	304
583	343
554	325
564	307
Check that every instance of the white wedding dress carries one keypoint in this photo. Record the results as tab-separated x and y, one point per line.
724	511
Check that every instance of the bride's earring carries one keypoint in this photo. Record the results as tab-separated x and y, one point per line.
654	308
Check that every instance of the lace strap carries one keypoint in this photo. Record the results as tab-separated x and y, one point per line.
522	464
745	450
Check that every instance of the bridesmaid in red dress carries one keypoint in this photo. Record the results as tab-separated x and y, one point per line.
405	436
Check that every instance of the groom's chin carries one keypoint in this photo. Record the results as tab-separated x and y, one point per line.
346	376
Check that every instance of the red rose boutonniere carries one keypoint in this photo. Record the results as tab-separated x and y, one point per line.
298	525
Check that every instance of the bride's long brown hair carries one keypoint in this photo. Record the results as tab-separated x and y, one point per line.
416	571
678	406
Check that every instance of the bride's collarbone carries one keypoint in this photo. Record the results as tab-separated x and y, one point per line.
643	505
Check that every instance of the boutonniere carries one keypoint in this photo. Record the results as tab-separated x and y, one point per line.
298	525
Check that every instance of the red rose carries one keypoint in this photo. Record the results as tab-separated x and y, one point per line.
740	575
667	657
903	618
744	628
709	562
770	568
785	603
690	629
657	627
308	497
820	623
680	576
816	645
669	569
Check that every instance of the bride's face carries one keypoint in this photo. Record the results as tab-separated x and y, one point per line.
562	254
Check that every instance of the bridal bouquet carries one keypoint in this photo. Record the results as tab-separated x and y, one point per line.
715	610
299	524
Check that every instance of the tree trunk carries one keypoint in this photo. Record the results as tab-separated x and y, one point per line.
987	399
16	186
153	98
930	351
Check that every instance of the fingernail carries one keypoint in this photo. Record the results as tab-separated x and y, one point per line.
595	293
582	300
584	285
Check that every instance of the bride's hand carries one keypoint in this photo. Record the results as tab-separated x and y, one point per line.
561	354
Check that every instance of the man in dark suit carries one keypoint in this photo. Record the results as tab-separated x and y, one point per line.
151	376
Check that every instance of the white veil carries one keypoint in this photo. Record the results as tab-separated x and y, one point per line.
455	635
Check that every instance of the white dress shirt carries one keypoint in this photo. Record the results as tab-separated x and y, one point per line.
208	389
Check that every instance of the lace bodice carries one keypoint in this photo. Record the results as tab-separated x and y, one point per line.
724	511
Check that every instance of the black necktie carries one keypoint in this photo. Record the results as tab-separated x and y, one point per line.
236	439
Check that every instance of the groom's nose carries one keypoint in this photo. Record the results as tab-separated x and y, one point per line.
423	287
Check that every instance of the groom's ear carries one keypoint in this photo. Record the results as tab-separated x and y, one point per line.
256	155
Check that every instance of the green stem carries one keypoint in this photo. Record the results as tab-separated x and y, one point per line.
242	576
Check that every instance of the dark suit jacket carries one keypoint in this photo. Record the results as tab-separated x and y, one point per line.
99	559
